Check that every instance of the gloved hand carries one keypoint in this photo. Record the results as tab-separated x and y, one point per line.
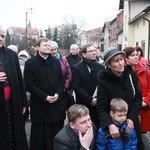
125	137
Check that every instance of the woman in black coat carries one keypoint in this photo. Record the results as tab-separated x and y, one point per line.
118	81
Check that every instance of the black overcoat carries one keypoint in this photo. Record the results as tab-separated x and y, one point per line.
84	85
18	99
110	86
43	78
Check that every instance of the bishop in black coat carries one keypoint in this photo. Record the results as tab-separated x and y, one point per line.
12	129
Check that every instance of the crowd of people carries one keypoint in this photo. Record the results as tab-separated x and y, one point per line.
111	92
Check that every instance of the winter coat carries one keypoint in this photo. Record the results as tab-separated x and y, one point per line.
116	144
42	78
111	86
67	75
67	139
143	61
18	99
73	59
84	84
143	75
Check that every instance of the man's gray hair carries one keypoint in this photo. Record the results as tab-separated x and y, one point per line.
77	111
2	29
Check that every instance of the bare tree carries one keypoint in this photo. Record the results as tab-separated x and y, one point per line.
77	22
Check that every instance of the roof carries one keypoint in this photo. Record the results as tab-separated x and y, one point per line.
18	29
94	30
23	30
106	25
139	15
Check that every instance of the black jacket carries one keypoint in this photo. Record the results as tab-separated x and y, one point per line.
43	78
73	59
110	86
67	139
84	84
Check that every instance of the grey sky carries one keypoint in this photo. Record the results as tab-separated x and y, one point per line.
49	12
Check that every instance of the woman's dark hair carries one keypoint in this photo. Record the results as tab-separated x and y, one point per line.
128	51
137	48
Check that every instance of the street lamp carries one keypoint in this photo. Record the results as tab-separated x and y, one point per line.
148	33
31	12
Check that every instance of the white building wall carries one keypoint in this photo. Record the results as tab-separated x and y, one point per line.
141	27
137	7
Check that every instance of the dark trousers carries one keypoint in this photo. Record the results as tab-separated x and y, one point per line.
94	116
138	133
42	135
62	122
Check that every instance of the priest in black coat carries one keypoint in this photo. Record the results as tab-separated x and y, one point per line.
44	80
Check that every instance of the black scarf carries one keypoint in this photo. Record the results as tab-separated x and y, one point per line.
90	63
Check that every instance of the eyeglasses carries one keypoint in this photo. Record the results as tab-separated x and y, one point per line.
91	51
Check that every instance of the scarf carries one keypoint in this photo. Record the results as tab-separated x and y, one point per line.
57	55
90	63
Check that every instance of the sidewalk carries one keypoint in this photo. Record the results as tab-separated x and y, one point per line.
146	140
145	137
28	128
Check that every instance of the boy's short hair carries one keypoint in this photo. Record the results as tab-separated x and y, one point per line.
77	111
118	104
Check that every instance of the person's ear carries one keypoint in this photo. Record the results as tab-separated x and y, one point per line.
83	55
71	125
109	65
37	47
126	59
111	113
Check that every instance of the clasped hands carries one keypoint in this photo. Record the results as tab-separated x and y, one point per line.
2	76
52	99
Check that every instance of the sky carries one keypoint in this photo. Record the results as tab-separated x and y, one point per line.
52	12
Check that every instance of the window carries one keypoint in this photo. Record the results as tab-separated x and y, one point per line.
143	47
120	47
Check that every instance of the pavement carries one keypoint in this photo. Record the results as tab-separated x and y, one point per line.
145	137
28	129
